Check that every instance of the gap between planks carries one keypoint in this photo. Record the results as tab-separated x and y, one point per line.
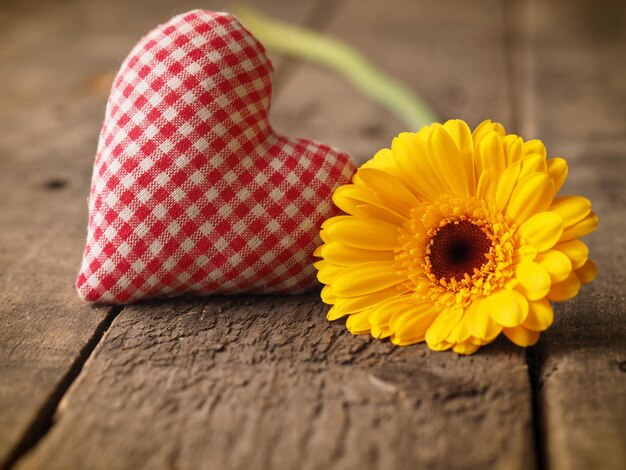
44	421
516	45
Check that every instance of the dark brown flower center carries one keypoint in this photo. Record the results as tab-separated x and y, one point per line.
457	249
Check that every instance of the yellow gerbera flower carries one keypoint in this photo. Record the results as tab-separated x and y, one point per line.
454	237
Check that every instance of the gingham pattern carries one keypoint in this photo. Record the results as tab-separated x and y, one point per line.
192	191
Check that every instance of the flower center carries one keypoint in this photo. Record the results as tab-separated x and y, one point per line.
458	248
455	250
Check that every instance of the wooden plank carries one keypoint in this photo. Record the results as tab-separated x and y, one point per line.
46	331
58	61
266	382
577	52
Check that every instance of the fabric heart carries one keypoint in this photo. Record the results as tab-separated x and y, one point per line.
192	190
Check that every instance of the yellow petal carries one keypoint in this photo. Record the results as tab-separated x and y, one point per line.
557	169
358	324
366	278
480	324
386	215
533	281
342	255
478	342
462	137
461	134
459	333
513	148
485	127
333	220
424	133
506	307
414	328
572	209
346	204
382	313
355	195
482	185
327	295
400	342
521	336
408	153
582	228
575	250
465	348
542	230
400	317
358	304
525	253
327	272
556	263
442	326
534	146
352	199
359	232
588	272
383	160
490	158
444	345
380	332
532	164
532	194
389	189
506	185
448	162
424	178
334	313
565	290
540	315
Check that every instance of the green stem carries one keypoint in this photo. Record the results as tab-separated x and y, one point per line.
308	45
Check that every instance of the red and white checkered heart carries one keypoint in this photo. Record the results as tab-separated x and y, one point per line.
192	190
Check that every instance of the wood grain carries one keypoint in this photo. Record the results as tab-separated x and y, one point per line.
577	87
266	382
58	62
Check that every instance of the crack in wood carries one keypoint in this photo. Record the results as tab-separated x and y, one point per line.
533	363
517	60
44	421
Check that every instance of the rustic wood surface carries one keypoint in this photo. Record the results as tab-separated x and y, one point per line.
266	382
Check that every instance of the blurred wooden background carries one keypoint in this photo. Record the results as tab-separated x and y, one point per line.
266	382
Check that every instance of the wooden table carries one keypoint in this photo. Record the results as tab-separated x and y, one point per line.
266	382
